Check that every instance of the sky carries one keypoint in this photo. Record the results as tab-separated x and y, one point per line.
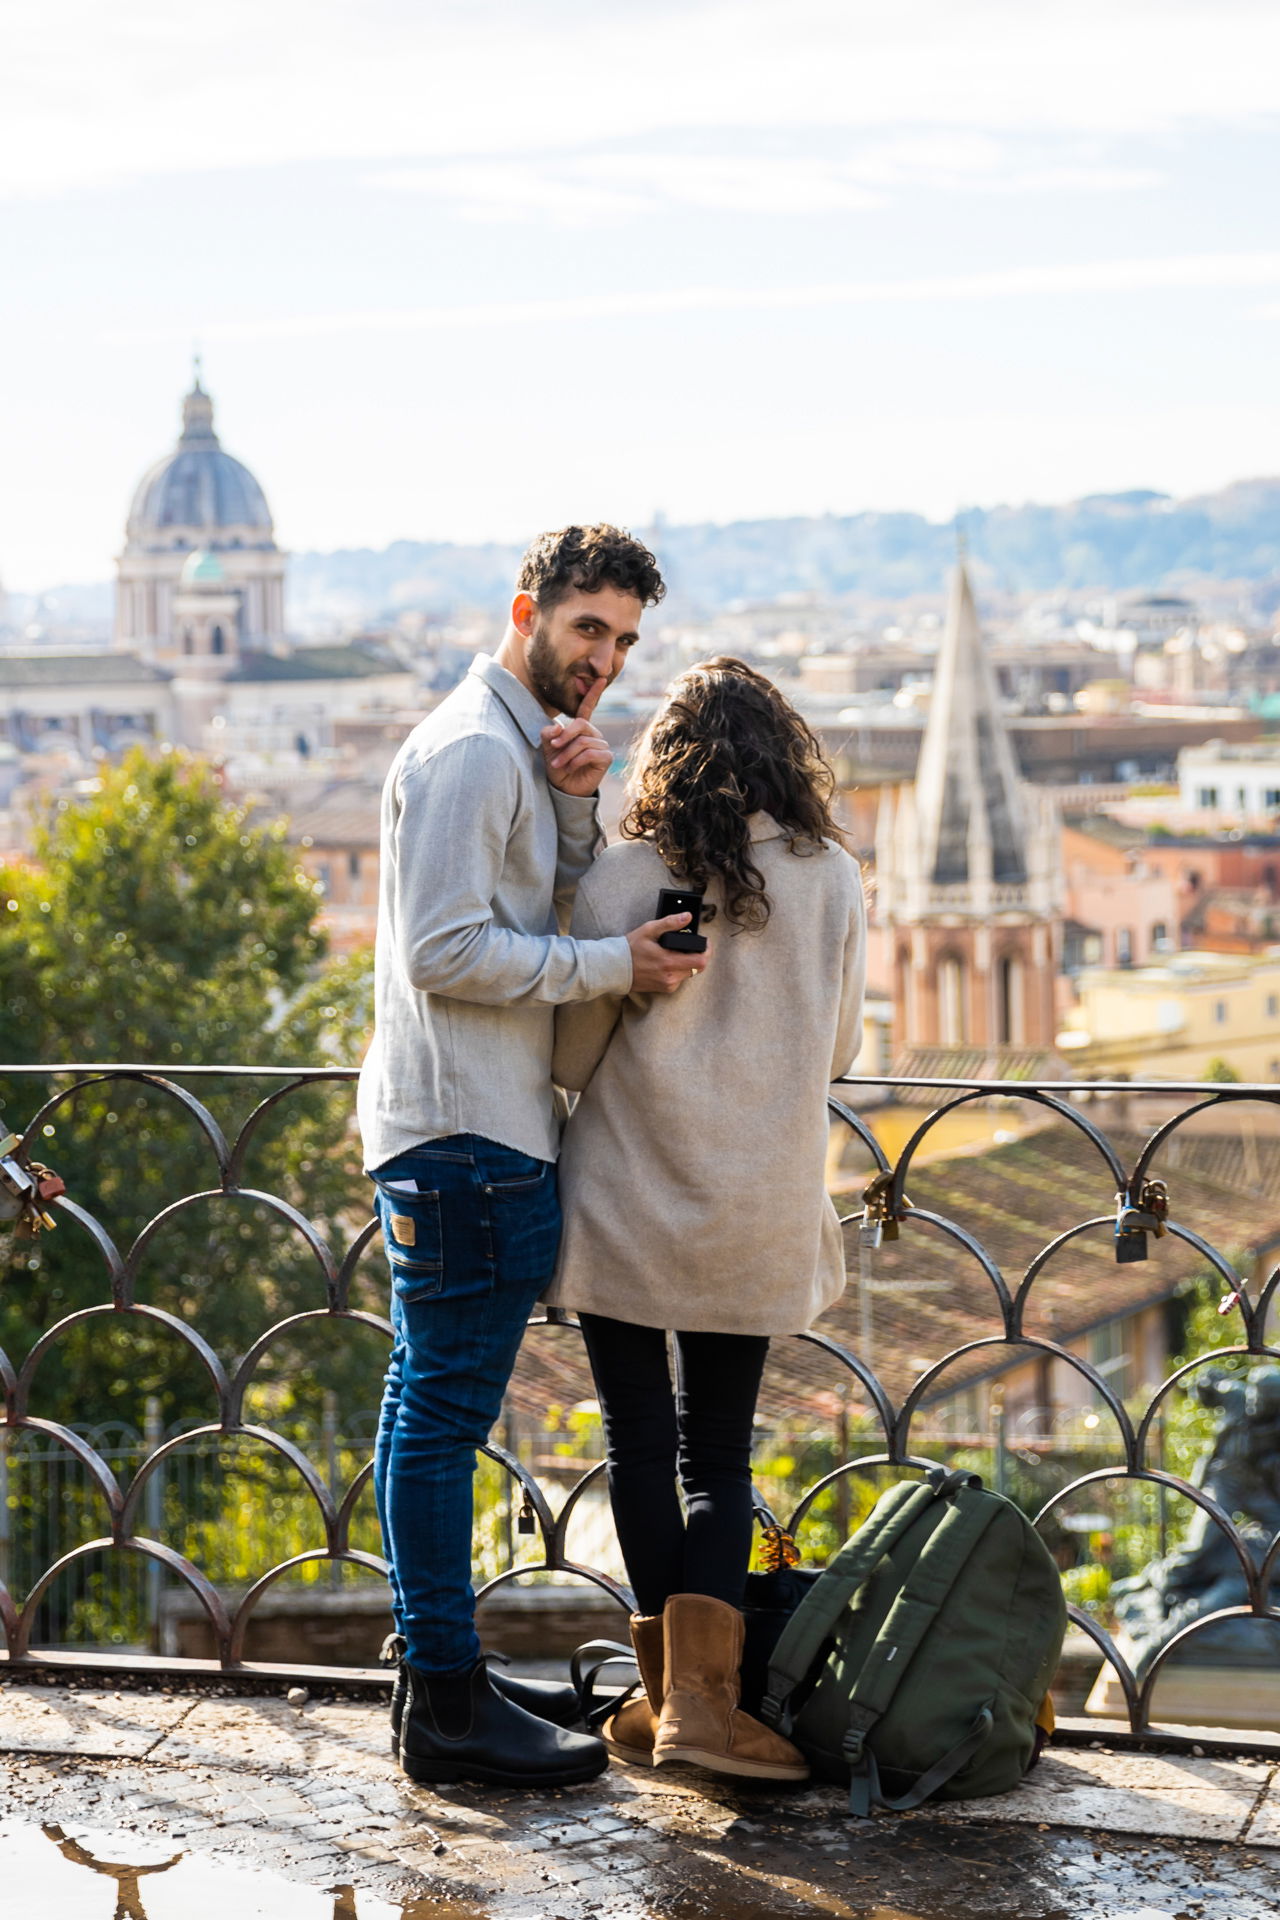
461	270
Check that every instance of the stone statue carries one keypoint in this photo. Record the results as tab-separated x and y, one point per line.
1241	1471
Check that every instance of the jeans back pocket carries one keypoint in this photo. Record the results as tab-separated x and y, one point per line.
414	1242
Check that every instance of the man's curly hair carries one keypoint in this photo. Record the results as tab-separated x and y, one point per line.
726	744
584	559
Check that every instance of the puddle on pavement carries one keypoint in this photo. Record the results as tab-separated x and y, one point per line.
77	1872
83	1872
92	1873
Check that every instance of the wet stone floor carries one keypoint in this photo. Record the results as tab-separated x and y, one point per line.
181	1806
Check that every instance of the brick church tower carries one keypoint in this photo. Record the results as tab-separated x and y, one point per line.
968	870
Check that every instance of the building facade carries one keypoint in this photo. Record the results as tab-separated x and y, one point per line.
1231	784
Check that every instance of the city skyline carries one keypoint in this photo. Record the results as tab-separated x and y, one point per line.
451	283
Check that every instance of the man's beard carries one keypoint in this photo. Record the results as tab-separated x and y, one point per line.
555	685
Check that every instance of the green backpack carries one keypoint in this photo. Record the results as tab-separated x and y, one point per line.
920	1662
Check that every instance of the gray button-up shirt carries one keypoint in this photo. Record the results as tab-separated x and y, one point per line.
480	858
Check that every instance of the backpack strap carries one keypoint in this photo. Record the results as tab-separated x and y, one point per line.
805	1634
585	1666
904	1627
865	1790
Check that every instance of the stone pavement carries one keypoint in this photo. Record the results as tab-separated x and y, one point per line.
310	1793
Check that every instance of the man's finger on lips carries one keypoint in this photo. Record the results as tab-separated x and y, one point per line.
587	704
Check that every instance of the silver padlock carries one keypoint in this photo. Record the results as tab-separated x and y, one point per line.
19	1189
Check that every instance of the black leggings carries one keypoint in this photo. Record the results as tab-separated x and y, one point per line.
702	1430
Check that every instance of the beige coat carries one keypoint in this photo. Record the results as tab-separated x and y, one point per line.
692	1166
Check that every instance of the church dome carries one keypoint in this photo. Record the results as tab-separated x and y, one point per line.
199	488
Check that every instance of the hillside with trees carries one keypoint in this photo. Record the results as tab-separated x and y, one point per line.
1115	542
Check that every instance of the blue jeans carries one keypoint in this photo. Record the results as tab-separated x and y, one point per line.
470	1250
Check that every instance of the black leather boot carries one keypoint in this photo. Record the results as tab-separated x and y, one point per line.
457	1726
551	1700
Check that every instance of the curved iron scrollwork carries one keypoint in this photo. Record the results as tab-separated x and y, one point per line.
889	1425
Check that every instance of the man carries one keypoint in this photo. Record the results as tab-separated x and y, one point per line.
489	817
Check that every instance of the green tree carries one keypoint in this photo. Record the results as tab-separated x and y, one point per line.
158	925
155	924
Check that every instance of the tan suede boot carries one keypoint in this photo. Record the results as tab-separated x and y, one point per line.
629	1732
701	1723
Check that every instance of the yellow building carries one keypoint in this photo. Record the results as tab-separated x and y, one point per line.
1172	1021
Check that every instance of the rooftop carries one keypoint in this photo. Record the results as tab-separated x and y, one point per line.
317	663
90	668
1189	969
1247	752
347	814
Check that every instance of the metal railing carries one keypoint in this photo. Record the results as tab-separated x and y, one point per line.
864	1426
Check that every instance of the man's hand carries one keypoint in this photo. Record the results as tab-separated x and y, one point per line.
577	755
656	969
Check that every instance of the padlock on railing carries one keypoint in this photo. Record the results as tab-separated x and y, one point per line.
878	1223
25	1188
1132	1228
1135	1220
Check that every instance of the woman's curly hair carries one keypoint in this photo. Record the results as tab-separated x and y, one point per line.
724	745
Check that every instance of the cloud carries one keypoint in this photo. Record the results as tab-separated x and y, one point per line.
1175	273
592	187
581	189
97	94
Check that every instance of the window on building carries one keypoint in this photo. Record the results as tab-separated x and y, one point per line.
1124	947
1220	1012
1273	1005
1271	799
952	1024
219	640
1242	799
1206	796
1109	1355
1010	989
905	994
1009	1010
353	864
1159	935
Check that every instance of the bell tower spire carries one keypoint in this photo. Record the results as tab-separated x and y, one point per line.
968	883
970	812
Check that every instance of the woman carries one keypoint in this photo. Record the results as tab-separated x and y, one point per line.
692	1175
